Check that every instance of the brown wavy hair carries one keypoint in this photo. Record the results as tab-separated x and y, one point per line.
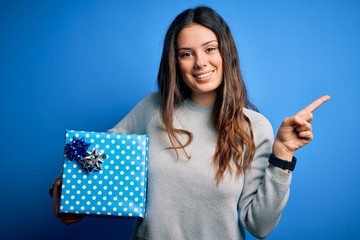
235	143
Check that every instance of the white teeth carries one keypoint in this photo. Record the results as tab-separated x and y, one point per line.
203	75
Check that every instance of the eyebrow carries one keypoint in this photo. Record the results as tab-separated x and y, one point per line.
204	44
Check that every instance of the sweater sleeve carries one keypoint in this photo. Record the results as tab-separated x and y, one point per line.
136	121
266	188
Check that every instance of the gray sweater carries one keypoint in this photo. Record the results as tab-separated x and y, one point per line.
183	199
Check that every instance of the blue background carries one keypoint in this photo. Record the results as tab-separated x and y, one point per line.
84	64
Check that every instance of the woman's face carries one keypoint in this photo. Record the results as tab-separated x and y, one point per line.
200	62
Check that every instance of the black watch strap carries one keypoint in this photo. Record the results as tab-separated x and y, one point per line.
277	162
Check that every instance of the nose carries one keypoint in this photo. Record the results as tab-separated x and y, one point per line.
200	61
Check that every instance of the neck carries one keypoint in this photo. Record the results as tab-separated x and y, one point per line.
207	99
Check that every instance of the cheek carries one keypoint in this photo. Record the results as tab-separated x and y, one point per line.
217	60
185	68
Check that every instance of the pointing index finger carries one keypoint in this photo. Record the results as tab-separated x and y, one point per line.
314	105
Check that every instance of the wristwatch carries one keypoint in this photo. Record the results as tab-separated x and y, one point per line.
277	162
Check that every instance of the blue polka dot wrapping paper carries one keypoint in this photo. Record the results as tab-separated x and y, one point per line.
104	174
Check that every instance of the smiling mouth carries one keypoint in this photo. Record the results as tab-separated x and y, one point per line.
203	75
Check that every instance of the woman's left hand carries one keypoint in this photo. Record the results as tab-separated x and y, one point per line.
295	131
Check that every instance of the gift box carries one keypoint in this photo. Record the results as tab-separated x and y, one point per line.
104	174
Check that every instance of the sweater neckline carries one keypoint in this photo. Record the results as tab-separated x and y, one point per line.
198	107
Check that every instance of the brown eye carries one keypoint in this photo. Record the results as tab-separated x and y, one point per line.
210	49
185	54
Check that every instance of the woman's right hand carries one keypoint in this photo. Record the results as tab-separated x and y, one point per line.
67	218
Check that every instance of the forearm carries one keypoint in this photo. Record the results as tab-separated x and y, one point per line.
261	215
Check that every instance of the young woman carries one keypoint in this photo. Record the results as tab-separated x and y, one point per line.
209	174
